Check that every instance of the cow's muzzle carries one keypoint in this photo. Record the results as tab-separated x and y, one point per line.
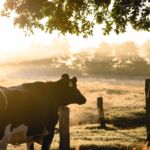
83	101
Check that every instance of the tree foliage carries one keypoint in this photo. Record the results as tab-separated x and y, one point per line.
55	58
71	16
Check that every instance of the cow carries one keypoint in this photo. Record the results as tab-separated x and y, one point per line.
30	110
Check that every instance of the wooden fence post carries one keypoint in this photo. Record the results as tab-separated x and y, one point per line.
147	95
147	88
148	113
64	128
100	112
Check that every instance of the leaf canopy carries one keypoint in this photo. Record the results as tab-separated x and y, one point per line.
72	16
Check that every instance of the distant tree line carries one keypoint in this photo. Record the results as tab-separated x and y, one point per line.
116	59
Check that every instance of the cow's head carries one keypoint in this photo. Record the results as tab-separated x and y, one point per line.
67	91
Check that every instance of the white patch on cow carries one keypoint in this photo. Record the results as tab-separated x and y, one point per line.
7	133
5	98
4	140
22	129
19	135
3	145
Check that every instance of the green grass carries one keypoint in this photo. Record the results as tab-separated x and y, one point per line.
92	136
126	129
123	111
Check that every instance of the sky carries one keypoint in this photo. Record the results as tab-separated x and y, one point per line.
13	39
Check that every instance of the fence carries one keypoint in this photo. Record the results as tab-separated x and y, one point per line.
147	95
64	124
102	119
64	133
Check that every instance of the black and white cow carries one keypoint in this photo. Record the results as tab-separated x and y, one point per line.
32	109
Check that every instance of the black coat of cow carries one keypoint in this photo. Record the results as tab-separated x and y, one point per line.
32	109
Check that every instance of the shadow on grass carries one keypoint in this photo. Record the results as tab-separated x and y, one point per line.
117	92
99	127
137	120
113	147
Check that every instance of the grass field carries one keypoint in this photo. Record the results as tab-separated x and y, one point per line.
124	102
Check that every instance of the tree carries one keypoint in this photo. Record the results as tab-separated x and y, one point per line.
146	47
71	16
58	50
126	54
103	52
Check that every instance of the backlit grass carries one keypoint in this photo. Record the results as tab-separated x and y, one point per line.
124	113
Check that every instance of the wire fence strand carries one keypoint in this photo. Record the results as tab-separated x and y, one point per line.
55	132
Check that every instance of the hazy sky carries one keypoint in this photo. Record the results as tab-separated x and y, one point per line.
13	39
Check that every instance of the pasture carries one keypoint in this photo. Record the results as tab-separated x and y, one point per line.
124	102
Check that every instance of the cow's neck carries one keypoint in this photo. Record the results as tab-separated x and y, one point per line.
54	90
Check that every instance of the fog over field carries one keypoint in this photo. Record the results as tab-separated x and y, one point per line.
127	59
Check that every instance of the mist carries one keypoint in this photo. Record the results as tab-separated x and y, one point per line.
128	59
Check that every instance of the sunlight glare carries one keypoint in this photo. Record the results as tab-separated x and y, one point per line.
13	39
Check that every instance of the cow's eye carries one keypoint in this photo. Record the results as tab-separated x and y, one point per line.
70	84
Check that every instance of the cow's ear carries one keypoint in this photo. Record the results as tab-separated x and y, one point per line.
74	79
64	75
65	78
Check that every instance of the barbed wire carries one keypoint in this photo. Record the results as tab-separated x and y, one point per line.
132	136
16	139
125	106
26	137
97	117
118	109
111	121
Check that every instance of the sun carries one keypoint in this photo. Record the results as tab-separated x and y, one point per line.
9	36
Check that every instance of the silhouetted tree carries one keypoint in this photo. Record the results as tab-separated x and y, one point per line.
71	16
125	54
58	50
80	59
115	59
102	60
146	47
